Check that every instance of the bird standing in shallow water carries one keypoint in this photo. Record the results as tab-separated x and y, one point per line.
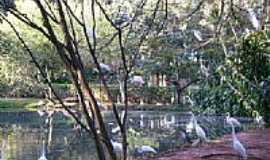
237	145
43	156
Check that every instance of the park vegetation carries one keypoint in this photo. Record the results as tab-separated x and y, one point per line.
209	55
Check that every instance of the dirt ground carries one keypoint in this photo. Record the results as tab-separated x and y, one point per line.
256	142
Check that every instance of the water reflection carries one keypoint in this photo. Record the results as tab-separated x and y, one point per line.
26	135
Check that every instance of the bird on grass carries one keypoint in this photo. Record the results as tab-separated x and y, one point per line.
238	146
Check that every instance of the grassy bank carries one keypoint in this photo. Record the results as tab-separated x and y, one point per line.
17	105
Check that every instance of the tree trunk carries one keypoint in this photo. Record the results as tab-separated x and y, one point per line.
122	91
97	113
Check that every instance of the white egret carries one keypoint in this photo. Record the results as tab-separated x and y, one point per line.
198	35
232	121
199	130
43	156
146	149
237	145
117	147
259	119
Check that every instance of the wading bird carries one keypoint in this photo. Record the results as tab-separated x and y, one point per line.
258	119
237	145
199	130
232	121
43	156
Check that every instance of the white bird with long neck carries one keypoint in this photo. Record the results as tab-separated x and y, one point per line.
199	130
259	119
43	156
232	121
237	145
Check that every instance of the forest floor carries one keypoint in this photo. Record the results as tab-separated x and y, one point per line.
256	142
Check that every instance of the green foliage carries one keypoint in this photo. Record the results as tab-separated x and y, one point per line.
16	105
157	94
238	85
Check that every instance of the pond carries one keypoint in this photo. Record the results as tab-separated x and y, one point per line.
26	135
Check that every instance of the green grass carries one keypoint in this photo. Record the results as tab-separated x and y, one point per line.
17	105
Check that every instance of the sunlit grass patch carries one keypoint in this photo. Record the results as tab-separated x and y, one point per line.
16	105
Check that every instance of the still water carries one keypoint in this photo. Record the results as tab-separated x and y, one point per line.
26	135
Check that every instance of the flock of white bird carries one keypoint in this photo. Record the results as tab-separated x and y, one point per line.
192	125
237	145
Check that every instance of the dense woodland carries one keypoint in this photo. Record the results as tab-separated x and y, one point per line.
210	56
